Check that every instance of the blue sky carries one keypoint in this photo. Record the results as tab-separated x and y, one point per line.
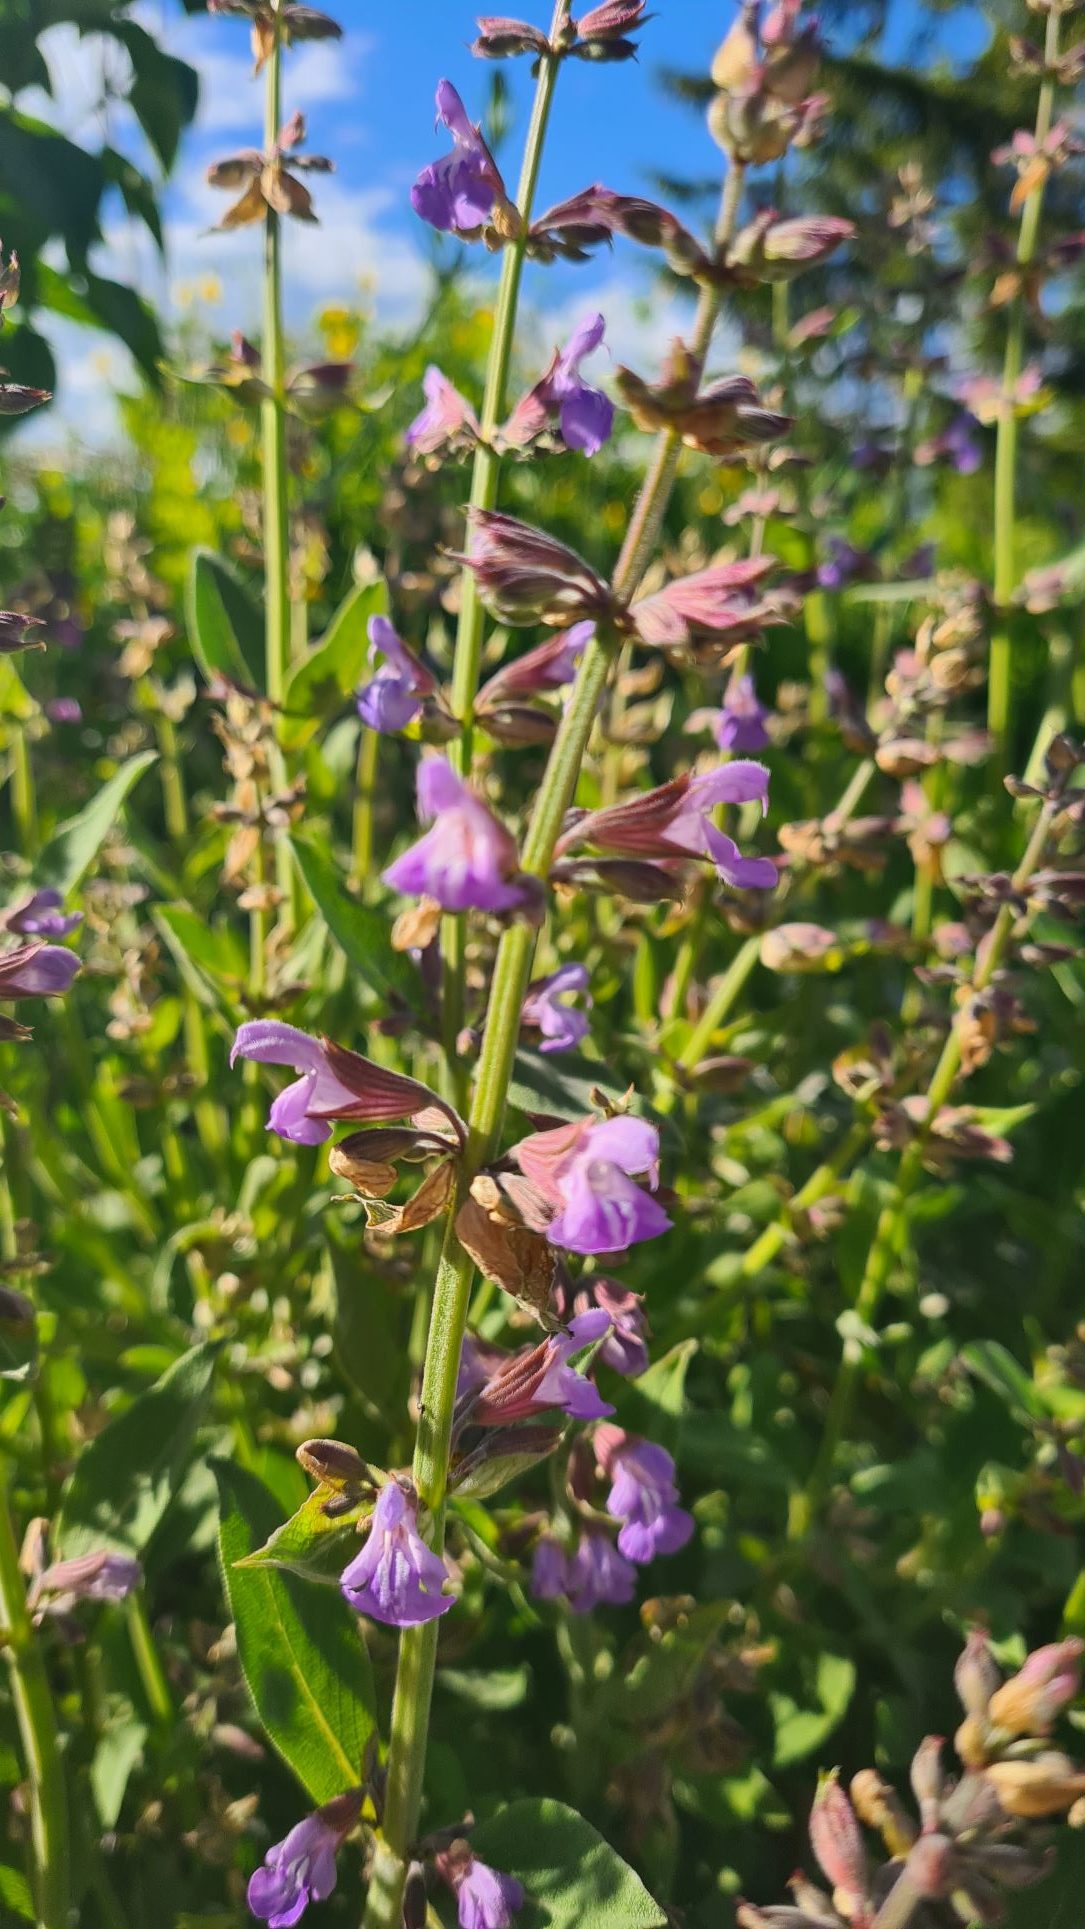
369	101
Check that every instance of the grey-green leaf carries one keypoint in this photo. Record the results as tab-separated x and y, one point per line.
362	931
225	626
323	681
572	1878
126	1478
301	1648
73	848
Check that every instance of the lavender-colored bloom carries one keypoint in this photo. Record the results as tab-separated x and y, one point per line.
547	1007
624	1349
446	419
644	1497
549	1570
740	724
41	916
101	1576
692	829
396	1578
539	1379
846	564
64	710
587	1173
37	971
585	416
468	861
393	697
561	1385
301	1868
270	1042
598	1574
486	1898
457	193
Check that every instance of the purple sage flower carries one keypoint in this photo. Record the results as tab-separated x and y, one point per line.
740	724
301	1868
37	971
468	861
846	564
624	1349
675	820
40	916
548	1009
598	1574
101	1576
643	1495
64	710
549	1570
541	1380
585	1173
485	1898
270	1042
393	697
585	416
447	418
396	1578
457	194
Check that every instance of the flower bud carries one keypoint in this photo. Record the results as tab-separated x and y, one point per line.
500	37
735	66
801	947
977	1675
772	250
1048	1785
932	1866
880	1807
333	1463
928	1779
837	1841
525	577
1030	1703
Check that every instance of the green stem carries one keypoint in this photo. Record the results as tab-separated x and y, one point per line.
174	802
37	1722
891	1230
452	1291
365	790
275	487
485	477
151	1673
722	1001
817	1187
24	801
1005	503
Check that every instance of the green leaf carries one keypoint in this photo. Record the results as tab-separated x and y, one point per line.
15	1893
496	1690
300	1647
225	626
572	1878
125	1479
800	1730
360	930
73	848
119	1751
206	953
563	1091
164	91
320	685
310	1543
997	1368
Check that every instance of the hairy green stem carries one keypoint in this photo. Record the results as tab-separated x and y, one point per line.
891	1231
455	1273
174	802
37	1723
151	1673
1005	504
485	476
365	790
24	801
277	629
